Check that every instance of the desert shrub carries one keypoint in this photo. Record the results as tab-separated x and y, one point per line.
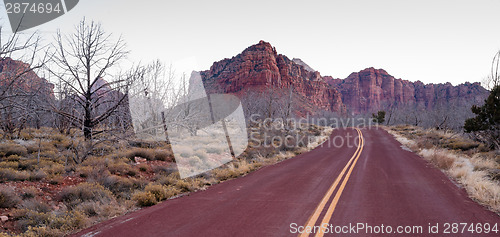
94	168
119	167
144	199
158	190
103	149
223	174
12	158
171	191
439	158
187	185
54	180
65	221
99	210
28	193
461	145
26	134
215	148
166	179
37	175
52	155
184	151
30	164
61	141
8	149
120	186
201	153
8	174
82	192
42	232
9	164
164	155
32	148
35	205
143	167
52	169
164	170
8	197
145	153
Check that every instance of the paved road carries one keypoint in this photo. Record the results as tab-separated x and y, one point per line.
360	178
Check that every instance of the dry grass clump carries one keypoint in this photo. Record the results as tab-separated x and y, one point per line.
148	154
9	174
427	138
8	197
154	193
29	193
145	199
63	222
452	155
8	149
121	187
442	159
78	185
83	192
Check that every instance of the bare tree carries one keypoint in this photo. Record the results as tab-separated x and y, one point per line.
20	87
85	60
151	94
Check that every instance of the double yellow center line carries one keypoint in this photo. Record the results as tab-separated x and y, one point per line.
326	219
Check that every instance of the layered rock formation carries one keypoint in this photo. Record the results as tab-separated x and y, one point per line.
17	77
373	89
260	66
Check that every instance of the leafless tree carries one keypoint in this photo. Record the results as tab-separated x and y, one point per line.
151	95
84	62
493	79
20	92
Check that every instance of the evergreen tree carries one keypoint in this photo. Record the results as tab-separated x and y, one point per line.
486	124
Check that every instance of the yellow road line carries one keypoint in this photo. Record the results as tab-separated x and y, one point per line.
314	217
331	209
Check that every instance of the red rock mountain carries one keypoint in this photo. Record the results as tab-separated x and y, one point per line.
372	89
17	76
260	66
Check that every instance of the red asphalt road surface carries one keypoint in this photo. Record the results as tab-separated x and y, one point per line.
387	186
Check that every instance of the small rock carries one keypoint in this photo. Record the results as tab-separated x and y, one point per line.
4	218
139	160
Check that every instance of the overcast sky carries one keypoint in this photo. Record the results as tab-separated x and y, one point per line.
432	41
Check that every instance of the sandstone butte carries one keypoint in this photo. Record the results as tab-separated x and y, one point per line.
260	66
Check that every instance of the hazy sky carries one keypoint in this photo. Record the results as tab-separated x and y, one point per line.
432	41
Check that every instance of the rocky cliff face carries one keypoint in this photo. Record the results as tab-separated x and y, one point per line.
373	89
16	77
260	66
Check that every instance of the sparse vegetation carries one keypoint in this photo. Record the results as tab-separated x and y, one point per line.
379	117
471	164
48	193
